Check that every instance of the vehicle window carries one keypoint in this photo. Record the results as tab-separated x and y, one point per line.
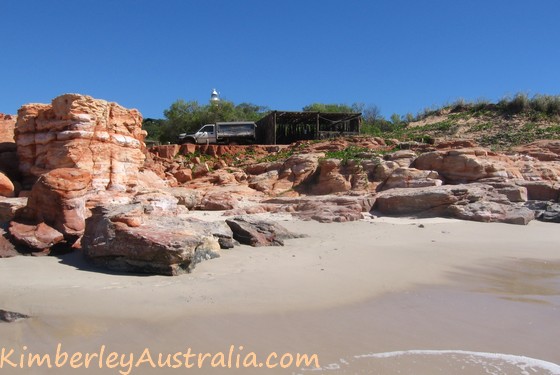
207	128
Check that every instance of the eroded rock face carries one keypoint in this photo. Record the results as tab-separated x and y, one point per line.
59	200
330	179
7	126
77	131
411	178
461	165
135	238
477	202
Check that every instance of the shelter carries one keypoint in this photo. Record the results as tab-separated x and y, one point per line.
282	127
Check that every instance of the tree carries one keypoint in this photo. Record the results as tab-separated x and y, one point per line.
371	114
154	127
188	117
320	107
395	119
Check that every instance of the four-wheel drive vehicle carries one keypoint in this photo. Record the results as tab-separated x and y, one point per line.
222	132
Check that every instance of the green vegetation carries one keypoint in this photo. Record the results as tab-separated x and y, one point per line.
188	117
511	121
349	153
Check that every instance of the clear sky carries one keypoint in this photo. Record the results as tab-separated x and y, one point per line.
402	56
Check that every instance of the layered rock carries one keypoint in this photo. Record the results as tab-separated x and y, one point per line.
476	202
137	238
59	200
461	165
330	179
411	178
77	131
55	211
7	127
324	209
8	155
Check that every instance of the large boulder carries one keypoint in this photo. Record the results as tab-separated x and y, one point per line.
330	179
77	131
478	202
411	178
324	209
257	232
137	238
58	199
461	165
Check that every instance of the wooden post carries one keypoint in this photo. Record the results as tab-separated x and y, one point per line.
274	127
317	131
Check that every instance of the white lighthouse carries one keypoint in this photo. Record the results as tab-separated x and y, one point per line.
214	98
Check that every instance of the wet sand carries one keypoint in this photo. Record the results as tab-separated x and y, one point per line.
348	290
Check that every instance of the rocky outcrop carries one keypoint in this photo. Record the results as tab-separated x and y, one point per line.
545	211
411	178
330	179
543	150
138	238
256	232
7	126
461	165
55	211
77	131
279	178
541	190
324	209
476	202
8	155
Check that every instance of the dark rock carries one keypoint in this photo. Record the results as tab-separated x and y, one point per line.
10	316
255	232
545	211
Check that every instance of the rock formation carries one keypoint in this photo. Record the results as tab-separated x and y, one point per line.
138	238
256	232
77	131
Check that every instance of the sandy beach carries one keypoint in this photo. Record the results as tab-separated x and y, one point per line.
454	291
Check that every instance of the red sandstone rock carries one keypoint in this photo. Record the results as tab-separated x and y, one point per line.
79	131
7	188
162	244
477	202
330	180
7	126
463	165
411	178
543	150
36	237
58	199
166	151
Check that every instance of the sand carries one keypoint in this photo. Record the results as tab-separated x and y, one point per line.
348	289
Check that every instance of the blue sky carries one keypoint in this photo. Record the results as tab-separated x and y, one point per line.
402	56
